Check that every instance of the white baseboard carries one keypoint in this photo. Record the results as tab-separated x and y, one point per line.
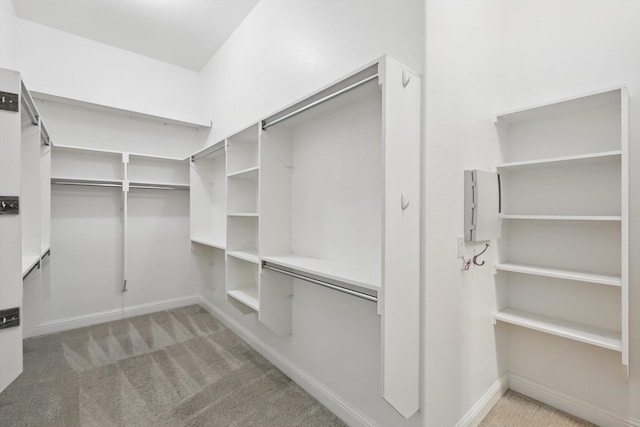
482	407
334	403
568	404
109	315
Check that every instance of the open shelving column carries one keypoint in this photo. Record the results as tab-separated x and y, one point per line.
565	218
243	166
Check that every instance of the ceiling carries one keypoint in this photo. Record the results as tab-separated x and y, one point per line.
181	32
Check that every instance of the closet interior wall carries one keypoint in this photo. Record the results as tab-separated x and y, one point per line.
88	223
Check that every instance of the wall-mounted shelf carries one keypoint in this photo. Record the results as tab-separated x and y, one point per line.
28	262
210	243
251	256
565	182
247	296
562	328
578	276
614	218
564	160
331	270
114	109
249	173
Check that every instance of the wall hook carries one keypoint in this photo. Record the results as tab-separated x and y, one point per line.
406	78
404	203
475	257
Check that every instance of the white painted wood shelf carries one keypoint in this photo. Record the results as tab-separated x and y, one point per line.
243	214
194	122
247	296
249	173
575	331
251	256
557	273
614	218
332	270
209	242
563	160
28	261
565	185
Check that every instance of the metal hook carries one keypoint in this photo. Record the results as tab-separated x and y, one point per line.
405	78
475	257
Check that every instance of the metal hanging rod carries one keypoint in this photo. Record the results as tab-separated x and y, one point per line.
44	134
158	187
85	183
36	265
321	283
266	124
216	147
29	105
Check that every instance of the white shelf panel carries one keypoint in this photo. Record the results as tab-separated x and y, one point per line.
609	96
176	120
247	296
29	261
345	273
103	151
562	217
579	276
244	214
562	328
209	242
251	256
564	160
245	173
76	180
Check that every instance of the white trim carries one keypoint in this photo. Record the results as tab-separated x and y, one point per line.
568	404
482	407
109	315
328	398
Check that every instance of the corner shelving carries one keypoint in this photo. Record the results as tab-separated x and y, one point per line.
565	203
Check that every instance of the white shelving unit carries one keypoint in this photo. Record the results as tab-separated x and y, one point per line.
565	211
313	197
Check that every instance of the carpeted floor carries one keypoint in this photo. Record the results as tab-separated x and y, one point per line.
172	368
516	410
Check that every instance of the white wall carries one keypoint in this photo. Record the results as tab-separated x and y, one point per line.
483	58
283	51
60	63
7	35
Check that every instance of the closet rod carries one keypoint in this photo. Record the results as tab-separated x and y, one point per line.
157	187
321	283
29	105
217	147
85	183
44	135
266	124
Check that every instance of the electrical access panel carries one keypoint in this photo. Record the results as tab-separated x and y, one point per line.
482	205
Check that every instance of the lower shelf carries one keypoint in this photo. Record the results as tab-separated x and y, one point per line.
247	296
209	242
574	331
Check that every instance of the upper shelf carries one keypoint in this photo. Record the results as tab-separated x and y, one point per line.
613	218
557	273
328	269
564	160
193	122
591	100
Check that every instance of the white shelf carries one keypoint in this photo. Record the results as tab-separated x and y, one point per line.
114	109
209	242
579	276
589	100
103	151
247	296
562	328
564	160
29	261
245	173
562	217
345	273
83	180
251	256
243	214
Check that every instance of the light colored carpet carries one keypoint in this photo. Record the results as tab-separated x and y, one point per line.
179	367
516	410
